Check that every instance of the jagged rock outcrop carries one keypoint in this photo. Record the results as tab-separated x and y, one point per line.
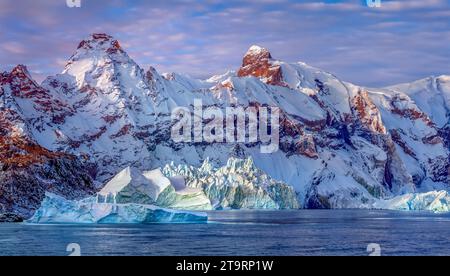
257	62
28	171
367	113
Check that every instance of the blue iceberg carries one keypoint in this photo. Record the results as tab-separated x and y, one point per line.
56	209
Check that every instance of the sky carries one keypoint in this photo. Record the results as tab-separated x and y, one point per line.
401	41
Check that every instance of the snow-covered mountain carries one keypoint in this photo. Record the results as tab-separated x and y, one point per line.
28	169
341	145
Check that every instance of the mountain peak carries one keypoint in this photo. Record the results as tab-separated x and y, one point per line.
21	78
258	63
94	51
101	41
21	71
259	51
256	54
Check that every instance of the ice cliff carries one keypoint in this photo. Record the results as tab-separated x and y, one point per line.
238	185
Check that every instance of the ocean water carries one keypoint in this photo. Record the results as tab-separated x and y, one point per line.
248	233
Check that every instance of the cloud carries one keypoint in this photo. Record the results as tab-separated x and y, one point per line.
324	6
406	39
412	4
14	48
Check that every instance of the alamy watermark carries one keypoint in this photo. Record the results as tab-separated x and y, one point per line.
373	3
254	124
77	3
374	249
73	3
74	249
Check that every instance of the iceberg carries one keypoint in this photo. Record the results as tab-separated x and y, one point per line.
434	201
153	188
237	185
56	209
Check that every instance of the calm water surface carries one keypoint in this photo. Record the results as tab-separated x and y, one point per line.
300	232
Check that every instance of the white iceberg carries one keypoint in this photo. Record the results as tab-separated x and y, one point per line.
435	201
152	187
56	209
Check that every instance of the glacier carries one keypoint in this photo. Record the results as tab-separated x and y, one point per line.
237	185
434	201
58	210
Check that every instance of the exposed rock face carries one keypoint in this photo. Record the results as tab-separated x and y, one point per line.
397	138
402	107
10	218
25	179
307	147
258	63
367	113
101	41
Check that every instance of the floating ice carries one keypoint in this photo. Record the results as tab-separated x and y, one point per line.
56	209
152	187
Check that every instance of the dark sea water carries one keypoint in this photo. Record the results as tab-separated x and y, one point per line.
302	232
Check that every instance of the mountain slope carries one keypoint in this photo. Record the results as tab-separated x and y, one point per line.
28	170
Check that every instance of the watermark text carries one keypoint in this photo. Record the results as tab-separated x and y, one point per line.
73	3
253	124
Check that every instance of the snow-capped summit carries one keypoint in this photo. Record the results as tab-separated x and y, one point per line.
431	95
101	58
258	52
222	77
97	50
21	71
98	42
257	62
113	103
21	82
